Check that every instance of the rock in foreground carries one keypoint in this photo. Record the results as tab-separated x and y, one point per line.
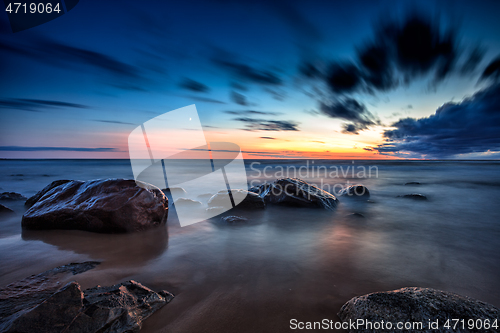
119	308
355	191
417	305
103	205
296	192
4	209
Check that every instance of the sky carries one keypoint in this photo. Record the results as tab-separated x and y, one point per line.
281	79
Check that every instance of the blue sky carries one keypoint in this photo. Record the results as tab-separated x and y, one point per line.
281	79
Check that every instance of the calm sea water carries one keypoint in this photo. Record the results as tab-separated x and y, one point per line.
284	262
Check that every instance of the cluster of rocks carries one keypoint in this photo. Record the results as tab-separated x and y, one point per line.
36	304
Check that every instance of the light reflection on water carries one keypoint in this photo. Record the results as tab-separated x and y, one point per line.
284	262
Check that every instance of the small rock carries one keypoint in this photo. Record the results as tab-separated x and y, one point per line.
32	200
11	196
242	198
4	209
233	219
174	190
424	305
187	202
415	196
355	191
296	192
357	215
412	183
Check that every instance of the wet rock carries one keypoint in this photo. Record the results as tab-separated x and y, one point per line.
417	305
119	308
11	196
296	192
103	205
412	183
187	202
246	199
233	219
355	191
32	200
414	196
174	190
4	209
27	293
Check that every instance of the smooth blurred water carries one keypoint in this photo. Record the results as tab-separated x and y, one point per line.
284	262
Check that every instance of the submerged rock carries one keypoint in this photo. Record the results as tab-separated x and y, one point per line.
119	308
296	192
246	199
412	183
103	205
410	305
32	200
11	196
233	219
357	215
187	202
415	196
174	190
355	191
4	209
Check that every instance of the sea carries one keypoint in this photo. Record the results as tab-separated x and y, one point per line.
283	263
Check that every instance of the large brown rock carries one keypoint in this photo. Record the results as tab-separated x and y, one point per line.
119	308
296	192
103	205
423	305
32	200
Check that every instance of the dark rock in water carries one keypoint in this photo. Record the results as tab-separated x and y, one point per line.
233	219
412	183
174	190
415	196
32	200
4	209
357	215
410	305
296	192
27	293
246	199
187	202
119	308
255	189
11	196
355	191
103	205
17	175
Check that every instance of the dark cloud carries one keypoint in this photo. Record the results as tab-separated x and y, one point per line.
204	99
79	149
36	105
239	86
470	126
193	85
351	110
248	73
368	148
492	70
252	112
267	137
239	98
472	60
343	78
278	95
113	122
253	124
